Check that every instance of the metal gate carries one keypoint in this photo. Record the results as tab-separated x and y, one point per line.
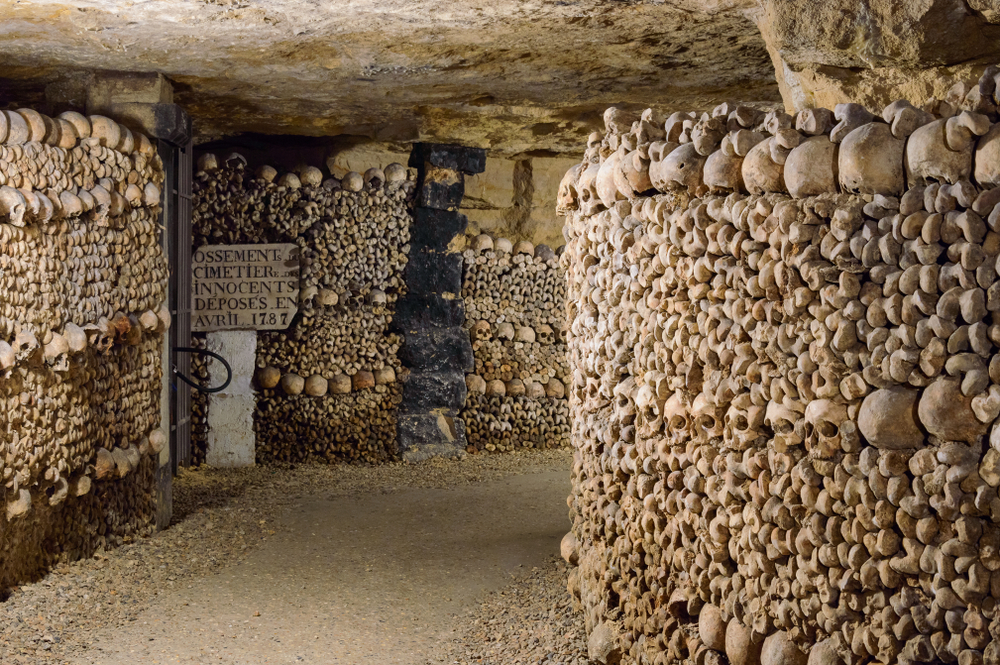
178	165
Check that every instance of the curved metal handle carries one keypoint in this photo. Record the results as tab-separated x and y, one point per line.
205	352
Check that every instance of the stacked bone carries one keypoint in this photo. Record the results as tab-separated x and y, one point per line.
786	383
82	315
357	426
327	383
514	302
334	341
199	402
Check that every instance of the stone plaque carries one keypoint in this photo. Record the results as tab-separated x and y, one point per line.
244	287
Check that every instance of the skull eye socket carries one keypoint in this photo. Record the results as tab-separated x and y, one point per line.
828	429
782	427
740	422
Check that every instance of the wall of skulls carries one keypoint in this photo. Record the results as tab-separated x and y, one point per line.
514	312
783	338
327	384
82	318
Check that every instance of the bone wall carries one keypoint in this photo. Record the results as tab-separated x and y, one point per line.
514	307
783	339
82	318
328	384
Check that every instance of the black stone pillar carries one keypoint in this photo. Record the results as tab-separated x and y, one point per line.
436	349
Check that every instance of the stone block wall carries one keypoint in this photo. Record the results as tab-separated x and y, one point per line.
783	339
435	352
82	319
514	314
328	384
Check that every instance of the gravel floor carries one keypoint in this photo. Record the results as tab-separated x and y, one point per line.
221	518
529	621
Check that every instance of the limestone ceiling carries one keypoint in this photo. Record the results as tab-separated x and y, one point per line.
511	75
505	74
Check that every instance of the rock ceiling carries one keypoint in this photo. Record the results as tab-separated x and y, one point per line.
511	75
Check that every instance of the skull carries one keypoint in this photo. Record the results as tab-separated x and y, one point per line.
823	420
724	170
12	206
811	168
568	197
679	169
524	334
545	335
374	177
929	157
708	419
676	418
590	201
102	205
761	173
632	176
101	335
624	404
7	356
505	331
480	330
376	298
25	346
871	161
781	419
56	353
482	242
133	195
71	204
607	189
742	422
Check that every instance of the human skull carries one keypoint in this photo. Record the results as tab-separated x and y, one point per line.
708	419
930	158
742	423
811	168
26	347
480	330
544	334
524	334
871	161
56	353
567	197
101	335
12	206
676	418
781	419
590	201
823	420
724	170
505	331
482	242
682	168
374	177
102	205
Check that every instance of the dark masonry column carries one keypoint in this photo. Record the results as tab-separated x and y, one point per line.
436	349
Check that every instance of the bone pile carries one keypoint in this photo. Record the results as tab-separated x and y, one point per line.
514	303
785	384
82	317
199	403
327	384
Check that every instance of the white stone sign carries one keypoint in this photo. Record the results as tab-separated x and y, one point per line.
244	287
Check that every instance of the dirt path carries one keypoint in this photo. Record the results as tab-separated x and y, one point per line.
371	579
